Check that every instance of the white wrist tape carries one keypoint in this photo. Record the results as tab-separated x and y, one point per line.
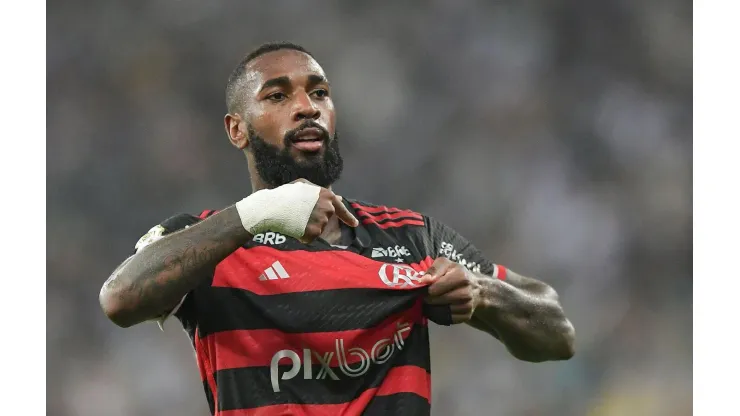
285	209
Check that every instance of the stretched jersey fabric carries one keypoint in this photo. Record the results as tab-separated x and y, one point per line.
287	328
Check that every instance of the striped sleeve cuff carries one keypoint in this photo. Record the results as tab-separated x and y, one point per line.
499	272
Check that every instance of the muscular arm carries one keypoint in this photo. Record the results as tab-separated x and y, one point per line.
525	314
154	280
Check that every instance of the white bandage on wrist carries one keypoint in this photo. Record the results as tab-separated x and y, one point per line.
285	209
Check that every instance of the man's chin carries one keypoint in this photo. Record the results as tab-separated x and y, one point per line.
301	155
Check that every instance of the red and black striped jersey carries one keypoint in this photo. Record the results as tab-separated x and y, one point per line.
282	327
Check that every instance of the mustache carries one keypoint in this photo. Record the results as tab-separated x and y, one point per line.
289	136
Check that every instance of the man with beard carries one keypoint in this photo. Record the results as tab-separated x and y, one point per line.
298	301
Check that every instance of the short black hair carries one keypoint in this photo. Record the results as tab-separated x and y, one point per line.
234	84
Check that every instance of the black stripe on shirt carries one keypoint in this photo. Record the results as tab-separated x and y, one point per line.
406	404
228	309
209	397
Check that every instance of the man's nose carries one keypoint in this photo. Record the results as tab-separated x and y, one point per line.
305	108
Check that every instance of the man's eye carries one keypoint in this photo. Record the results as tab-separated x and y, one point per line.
276	96
321	93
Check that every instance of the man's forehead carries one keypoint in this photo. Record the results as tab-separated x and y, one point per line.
282	63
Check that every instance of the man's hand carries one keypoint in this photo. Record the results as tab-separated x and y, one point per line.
298	209
454	285
327	205
522	312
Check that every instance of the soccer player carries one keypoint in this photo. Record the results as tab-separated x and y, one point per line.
298	301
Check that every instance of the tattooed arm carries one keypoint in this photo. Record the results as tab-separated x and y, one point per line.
525	315
152	282
155	279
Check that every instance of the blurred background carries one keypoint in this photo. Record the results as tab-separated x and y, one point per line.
555	135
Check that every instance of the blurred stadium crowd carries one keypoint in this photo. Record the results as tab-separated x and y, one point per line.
555	135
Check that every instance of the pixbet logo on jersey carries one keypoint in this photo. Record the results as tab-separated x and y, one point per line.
380	352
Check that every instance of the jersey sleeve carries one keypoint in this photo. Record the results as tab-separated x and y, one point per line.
170	225
443	241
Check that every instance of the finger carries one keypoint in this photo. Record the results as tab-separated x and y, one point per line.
438	300
457	296
452	280
312	231
343	213
461	309
440	266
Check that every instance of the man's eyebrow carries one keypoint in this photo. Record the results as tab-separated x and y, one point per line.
284	82
317	79
276	82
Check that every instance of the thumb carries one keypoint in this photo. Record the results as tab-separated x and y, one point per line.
436	270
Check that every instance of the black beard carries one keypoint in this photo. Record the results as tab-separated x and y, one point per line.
277	167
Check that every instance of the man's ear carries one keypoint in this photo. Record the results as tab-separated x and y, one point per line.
236	129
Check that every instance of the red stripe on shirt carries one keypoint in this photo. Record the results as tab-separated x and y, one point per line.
255	348
393	224
206	370
423	265
403	379
398	217
307	271
390	216
381	209
290	410
407	379
207	213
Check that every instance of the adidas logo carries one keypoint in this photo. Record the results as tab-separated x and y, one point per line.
274	271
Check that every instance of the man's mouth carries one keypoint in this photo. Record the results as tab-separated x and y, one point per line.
309	139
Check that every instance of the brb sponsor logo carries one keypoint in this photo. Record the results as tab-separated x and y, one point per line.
399	275
381	352
448	250
269	238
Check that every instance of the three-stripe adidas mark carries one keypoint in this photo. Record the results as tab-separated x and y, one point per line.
274	271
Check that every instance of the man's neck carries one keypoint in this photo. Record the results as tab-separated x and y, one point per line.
332	233
258	184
